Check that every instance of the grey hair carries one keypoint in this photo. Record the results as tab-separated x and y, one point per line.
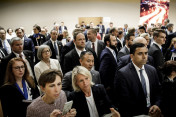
83	71
138	40
40	50
14	39
144	35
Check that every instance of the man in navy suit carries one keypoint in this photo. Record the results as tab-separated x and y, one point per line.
110	26
54	45
71	59
108	64
62	28
137	85
156	50
27	42
101	29
4	43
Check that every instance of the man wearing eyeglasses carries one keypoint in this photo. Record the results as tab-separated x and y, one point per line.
17	51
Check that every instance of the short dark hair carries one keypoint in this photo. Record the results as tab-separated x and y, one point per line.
84	53
76	32
9	29
49	76
19	29
127	37
168	67
134	46
93	30
106	38
112	30
142	27
37	27
157	32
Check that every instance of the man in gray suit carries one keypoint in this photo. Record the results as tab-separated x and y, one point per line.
86	60
126	49
94	43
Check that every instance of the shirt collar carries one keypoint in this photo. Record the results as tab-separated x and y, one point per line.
157	44
110	49
18	55
137	68
79	51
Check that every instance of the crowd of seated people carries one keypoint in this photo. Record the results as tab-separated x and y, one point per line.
119	70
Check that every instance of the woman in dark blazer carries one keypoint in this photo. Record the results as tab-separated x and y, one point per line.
38	39
171	51
89	100
18	90
169	89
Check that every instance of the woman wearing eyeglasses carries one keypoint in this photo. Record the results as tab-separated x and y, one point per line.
44	53
18	90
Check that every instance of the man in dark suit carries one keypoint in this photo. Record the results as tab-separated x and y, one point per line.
137	85
94	43
17	51
114	32
155	50
27	42
110	26
3	53
86	60
62	28
66	48
71	59
169	39
101	29
54	45
4	43
124	60
108	64
128	42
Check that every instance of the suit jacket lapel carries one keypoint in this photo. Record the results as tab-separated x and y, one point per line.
127	51
76	57
135	75
112	56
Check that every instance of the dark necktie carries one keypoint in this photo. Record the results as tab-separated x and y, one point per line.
93	46
143	82
55	48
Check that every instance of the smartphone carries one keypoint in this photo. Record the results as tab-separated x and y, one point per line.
67	107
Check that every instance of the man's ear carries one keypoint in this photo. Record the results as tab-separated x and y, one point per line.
108	42
80	60
42	89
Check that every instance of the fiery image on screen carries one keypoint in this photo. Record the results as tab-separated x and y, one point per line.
153	11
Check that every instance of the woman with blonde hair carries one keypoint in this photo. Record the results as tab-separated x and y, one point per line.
89	100
19	89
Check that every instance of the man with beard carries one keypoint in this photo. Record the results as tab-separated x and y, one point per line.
128	42
108	64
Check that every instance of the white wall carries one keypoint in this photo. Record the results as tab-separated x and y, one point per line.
26	14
